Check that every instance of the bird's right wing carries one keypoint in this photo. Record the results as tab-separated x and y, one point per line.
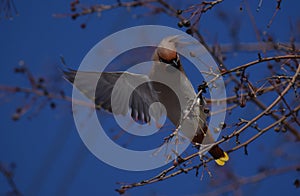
140	97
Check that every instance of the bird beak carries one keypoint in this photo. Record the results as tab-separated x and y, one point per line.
175	64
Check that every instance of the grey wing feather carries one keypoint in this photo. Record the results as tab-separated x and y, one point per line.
140	96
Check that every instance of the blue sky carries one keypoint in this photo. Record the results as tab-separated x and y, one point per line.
49	155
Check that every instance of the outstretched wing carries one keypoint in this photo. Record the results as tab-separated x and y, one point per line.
140	96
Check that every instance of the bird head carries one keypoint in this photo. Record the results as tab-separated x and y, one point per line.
166	53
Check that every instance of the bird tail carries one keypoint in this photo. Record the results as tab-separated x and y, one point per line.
220	156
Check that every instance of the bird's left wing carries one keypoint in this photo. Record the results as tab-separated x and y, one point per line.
140	96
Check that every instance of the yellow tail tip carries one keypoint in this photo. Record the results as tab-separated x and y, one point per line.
221	161
225	157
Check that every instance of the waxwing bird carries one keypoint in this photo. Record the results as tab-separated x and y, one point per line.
166	68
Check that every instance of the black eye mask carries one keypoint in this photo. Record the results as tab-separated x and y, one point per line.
173	62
